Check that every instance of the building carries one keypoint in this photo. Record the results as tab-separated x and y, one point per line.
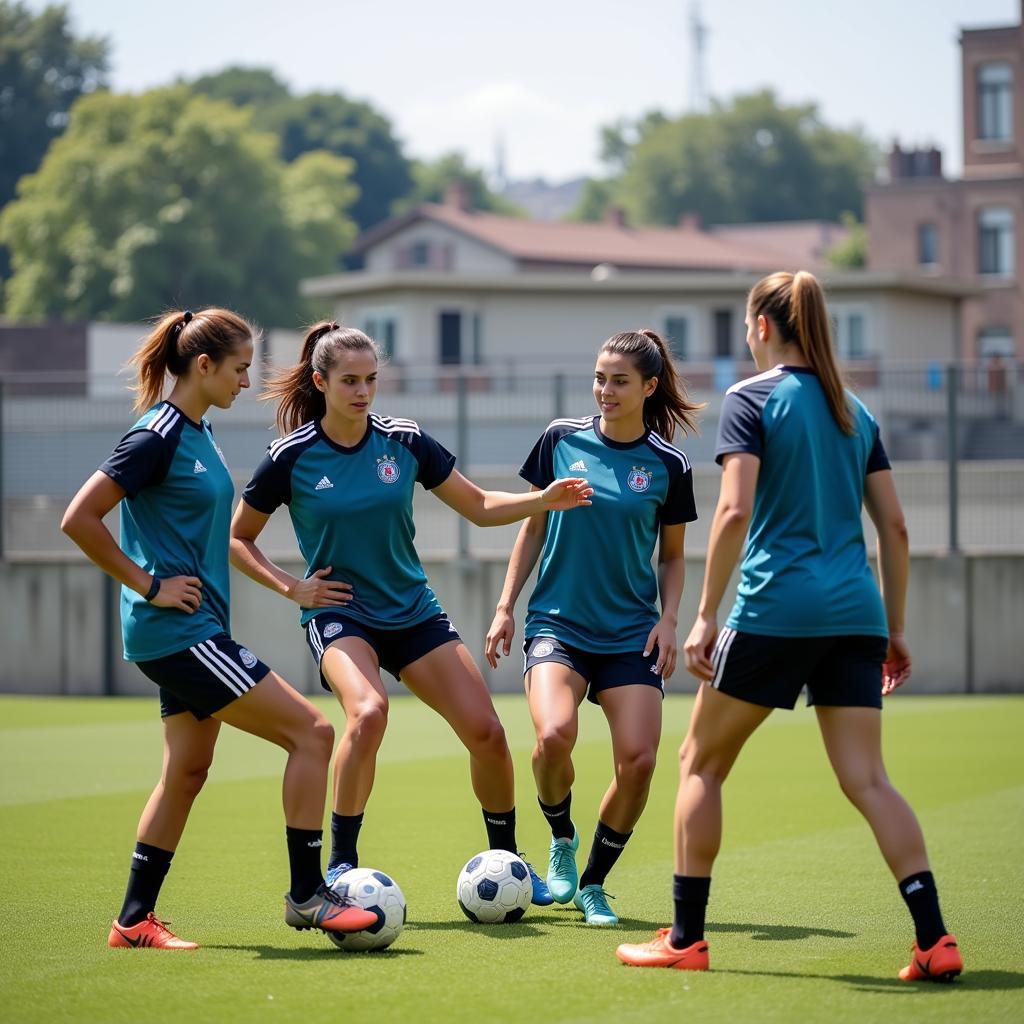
971	228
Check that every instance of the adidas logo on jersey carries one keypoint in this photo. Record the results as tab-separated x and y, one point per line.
578	467
198	467
323	485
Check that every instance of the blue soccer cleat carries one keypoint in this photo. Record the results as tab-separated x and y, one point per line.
541	893
593	901
563	878
333	874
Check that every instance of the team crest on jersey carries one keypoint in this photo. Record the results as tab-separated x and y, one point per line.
543	649
332	629
639	479
387	469
248	658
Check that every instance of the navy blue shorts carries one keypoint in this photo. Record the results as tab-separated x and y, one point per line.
838	671
395	648
204	678
600	671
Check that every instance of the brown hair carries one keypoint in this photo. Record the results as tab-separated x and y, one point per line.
669	405
298	398
796	305
178	338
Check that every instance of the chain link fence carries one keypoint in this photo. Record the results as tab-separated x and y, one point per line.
955	434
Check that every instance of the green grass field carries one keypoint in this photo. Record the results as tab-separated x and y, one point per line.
805	923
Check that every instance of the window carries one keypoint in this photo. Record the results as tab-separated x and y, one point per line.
927	245
419	254
995	241
450	337
850	332
995	101
382	326
722	319
677	335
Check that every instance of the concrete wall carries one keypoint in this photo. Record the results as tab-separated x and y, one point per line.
964	616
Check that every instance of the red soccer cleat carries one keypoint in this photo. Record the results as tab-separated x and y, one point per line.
328	911
149	933
940	963
660	953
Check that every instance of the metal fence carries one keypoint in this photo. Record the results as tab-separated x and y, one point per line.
955	433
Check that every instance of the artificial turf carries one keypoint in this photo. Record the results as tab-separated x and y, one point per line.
805	923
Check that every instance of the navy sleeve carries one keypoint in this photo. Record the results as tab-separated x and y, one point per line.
539	467
270	486
141	459
680	506
877	459
739	426
435	461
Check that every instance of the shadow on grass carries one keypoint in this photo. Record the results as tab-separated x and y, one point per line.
992	981
778	932
328	952
525	927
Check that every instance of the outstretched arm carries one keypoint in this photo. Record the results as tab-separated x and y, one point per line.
497	508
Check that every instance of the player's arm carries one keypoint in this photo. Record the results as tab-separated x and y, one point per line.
312	592
498	508
671	576
83	523
728	532
883	505
525	552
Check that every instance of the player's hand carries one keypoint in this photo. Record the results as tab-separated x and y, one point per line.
181	592
896	670
664	636
315	591
568	493
503	628
698	647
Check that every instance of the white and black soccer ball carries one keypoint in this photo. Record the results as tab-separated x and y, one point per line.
371	890
494	888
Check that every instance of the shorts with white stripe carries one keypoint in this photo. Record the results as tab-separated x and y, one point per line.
204	678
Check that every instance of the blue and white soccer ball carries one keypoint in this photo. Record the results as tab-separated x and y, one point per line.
371	890
494	887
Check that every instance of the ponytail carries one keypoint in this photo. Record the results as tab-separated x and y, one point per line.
669	406
178	338
298	398
796	305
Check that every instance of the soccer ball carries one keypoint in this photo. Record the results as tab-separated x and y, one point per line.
494	887
371	890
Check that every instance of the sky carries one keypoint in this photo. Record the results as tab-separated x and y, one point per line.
543	77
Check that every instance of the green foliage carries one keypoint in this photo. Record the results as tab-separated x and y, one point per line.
752	159
431	179
242	86
852	252
43	70
594	200
169	198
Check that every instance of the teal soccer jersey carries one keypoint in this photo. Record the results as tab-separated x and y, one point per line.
175	521
596	587
805	569
351	509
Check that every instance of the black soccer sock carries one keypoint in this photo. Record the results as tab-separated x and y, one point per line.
558	817
304	845
344	836
690	899
604	852
149	867
922	900
501	830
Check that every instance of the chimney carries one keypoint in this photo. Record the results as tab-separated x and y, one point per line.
895	162
690	221
457	196
615	216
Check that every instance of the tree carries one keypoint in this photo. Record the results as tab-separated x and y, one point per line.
431	180
242	86
852	252
752	159
169	198
43	70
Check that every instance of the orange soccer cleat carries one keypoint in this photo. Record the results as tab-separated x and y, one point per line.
149	933
660	953
940	963
328	911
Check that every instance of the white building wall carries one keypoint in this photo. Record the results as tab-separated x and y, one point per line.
470	257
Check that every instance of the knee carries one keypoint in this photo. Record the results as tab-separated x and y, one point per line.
860	787
697	761
320	737
554	743
488	739
187	779
366	724
635	768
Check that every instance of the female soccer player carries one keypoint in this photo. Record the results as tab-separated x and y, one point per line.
175	493
800	456
593	628
348	476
